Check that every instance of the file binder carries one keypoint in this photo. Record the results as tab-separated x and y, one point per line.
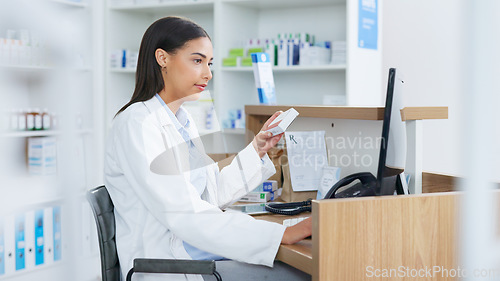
39	238
9	242
29	235
48	234
57	233
20	242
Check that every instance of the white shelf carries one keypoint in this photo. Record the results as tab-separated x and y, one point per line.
295	68
41	133
122	70
128	70
41	68
170	7
71	3
277	4
26	67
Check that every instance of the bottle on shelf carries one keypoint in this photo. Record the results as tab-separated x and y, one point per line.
38	119
22	120
46	119
30	119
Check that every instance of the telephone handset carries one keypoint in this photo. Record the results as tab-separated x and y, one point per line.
366	186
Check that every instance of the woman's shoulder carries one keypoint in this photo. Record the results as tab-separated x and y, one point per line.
136	114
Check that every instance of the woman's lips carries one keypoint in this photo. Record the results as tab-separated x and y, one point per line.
201	86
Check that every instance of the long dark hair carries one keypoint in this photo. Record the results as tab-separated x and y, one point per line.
169	34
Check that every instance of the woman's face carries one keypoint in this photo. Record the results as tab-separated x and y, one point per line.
188	70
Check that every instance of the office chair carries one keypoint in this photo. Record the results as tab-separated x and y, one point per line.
104	215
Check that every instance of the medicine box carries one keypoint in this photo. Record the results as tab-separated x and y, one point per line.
270	186
264	80
284	119
42	156
258	196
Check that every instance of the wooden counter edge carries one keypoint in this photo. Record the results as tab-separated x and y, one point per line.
424	112
351	112
298	255
318	111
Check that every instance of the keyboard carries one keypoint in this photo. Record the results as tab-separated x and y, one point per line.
293	221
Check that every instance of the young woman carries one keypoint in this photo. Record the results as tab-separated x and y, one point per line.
168	194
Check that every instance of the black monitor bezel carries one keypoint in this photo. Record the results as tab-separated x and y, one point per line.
385	134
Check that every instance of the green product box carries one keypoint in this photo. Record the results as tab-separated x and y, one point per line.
229	61
246	61
236	52
254	50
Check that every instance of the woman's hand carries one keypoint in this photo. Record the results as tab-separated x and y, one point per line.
295	233
263	141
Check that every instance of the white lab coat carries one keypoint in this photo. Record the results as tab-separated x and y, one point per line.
157	208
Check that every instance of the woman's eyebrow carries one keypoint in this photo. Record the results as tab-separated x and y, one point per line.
202	55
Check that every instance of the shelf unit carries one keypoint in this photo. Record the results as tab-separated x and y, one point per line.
230	22
64	84
295	68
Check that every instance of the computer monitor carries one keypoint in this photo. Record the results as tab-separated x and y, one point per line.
392	155
393	146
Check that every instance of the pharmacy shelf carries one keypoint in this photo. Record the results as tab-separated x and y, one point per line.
24	134
276	4
128	70
170	7
41	133
296	68
41	68
70	3
122	70
25	67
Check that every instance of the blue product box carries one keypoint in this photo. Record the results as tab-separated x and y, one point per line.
264	80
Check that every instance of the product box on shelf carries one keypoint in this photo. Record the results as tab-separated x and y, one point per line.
264	80
42	156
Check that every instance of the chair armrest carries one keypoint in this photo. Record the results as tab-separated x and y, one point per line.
174	266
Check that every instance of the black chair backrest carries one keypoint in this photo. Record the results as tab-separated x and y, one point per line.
104	215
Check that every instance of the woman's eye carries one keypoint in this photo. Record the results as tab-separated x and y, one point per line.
210	63
198	61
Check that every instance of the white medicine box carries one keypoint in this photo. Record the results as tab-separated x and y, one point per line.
42	156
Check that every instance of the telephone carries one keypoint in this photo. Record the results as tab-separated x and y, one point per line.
366	187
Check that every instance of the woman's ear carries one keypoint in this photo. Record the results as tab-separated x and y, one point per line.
161	57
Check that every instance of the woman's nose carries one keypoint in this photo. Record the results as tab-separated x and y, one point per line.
208	73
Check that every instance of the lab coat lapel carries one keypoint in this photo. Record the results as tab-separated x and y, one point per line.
175	146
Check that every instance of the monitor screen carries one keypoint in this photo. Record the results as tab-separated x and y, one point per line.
392	157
